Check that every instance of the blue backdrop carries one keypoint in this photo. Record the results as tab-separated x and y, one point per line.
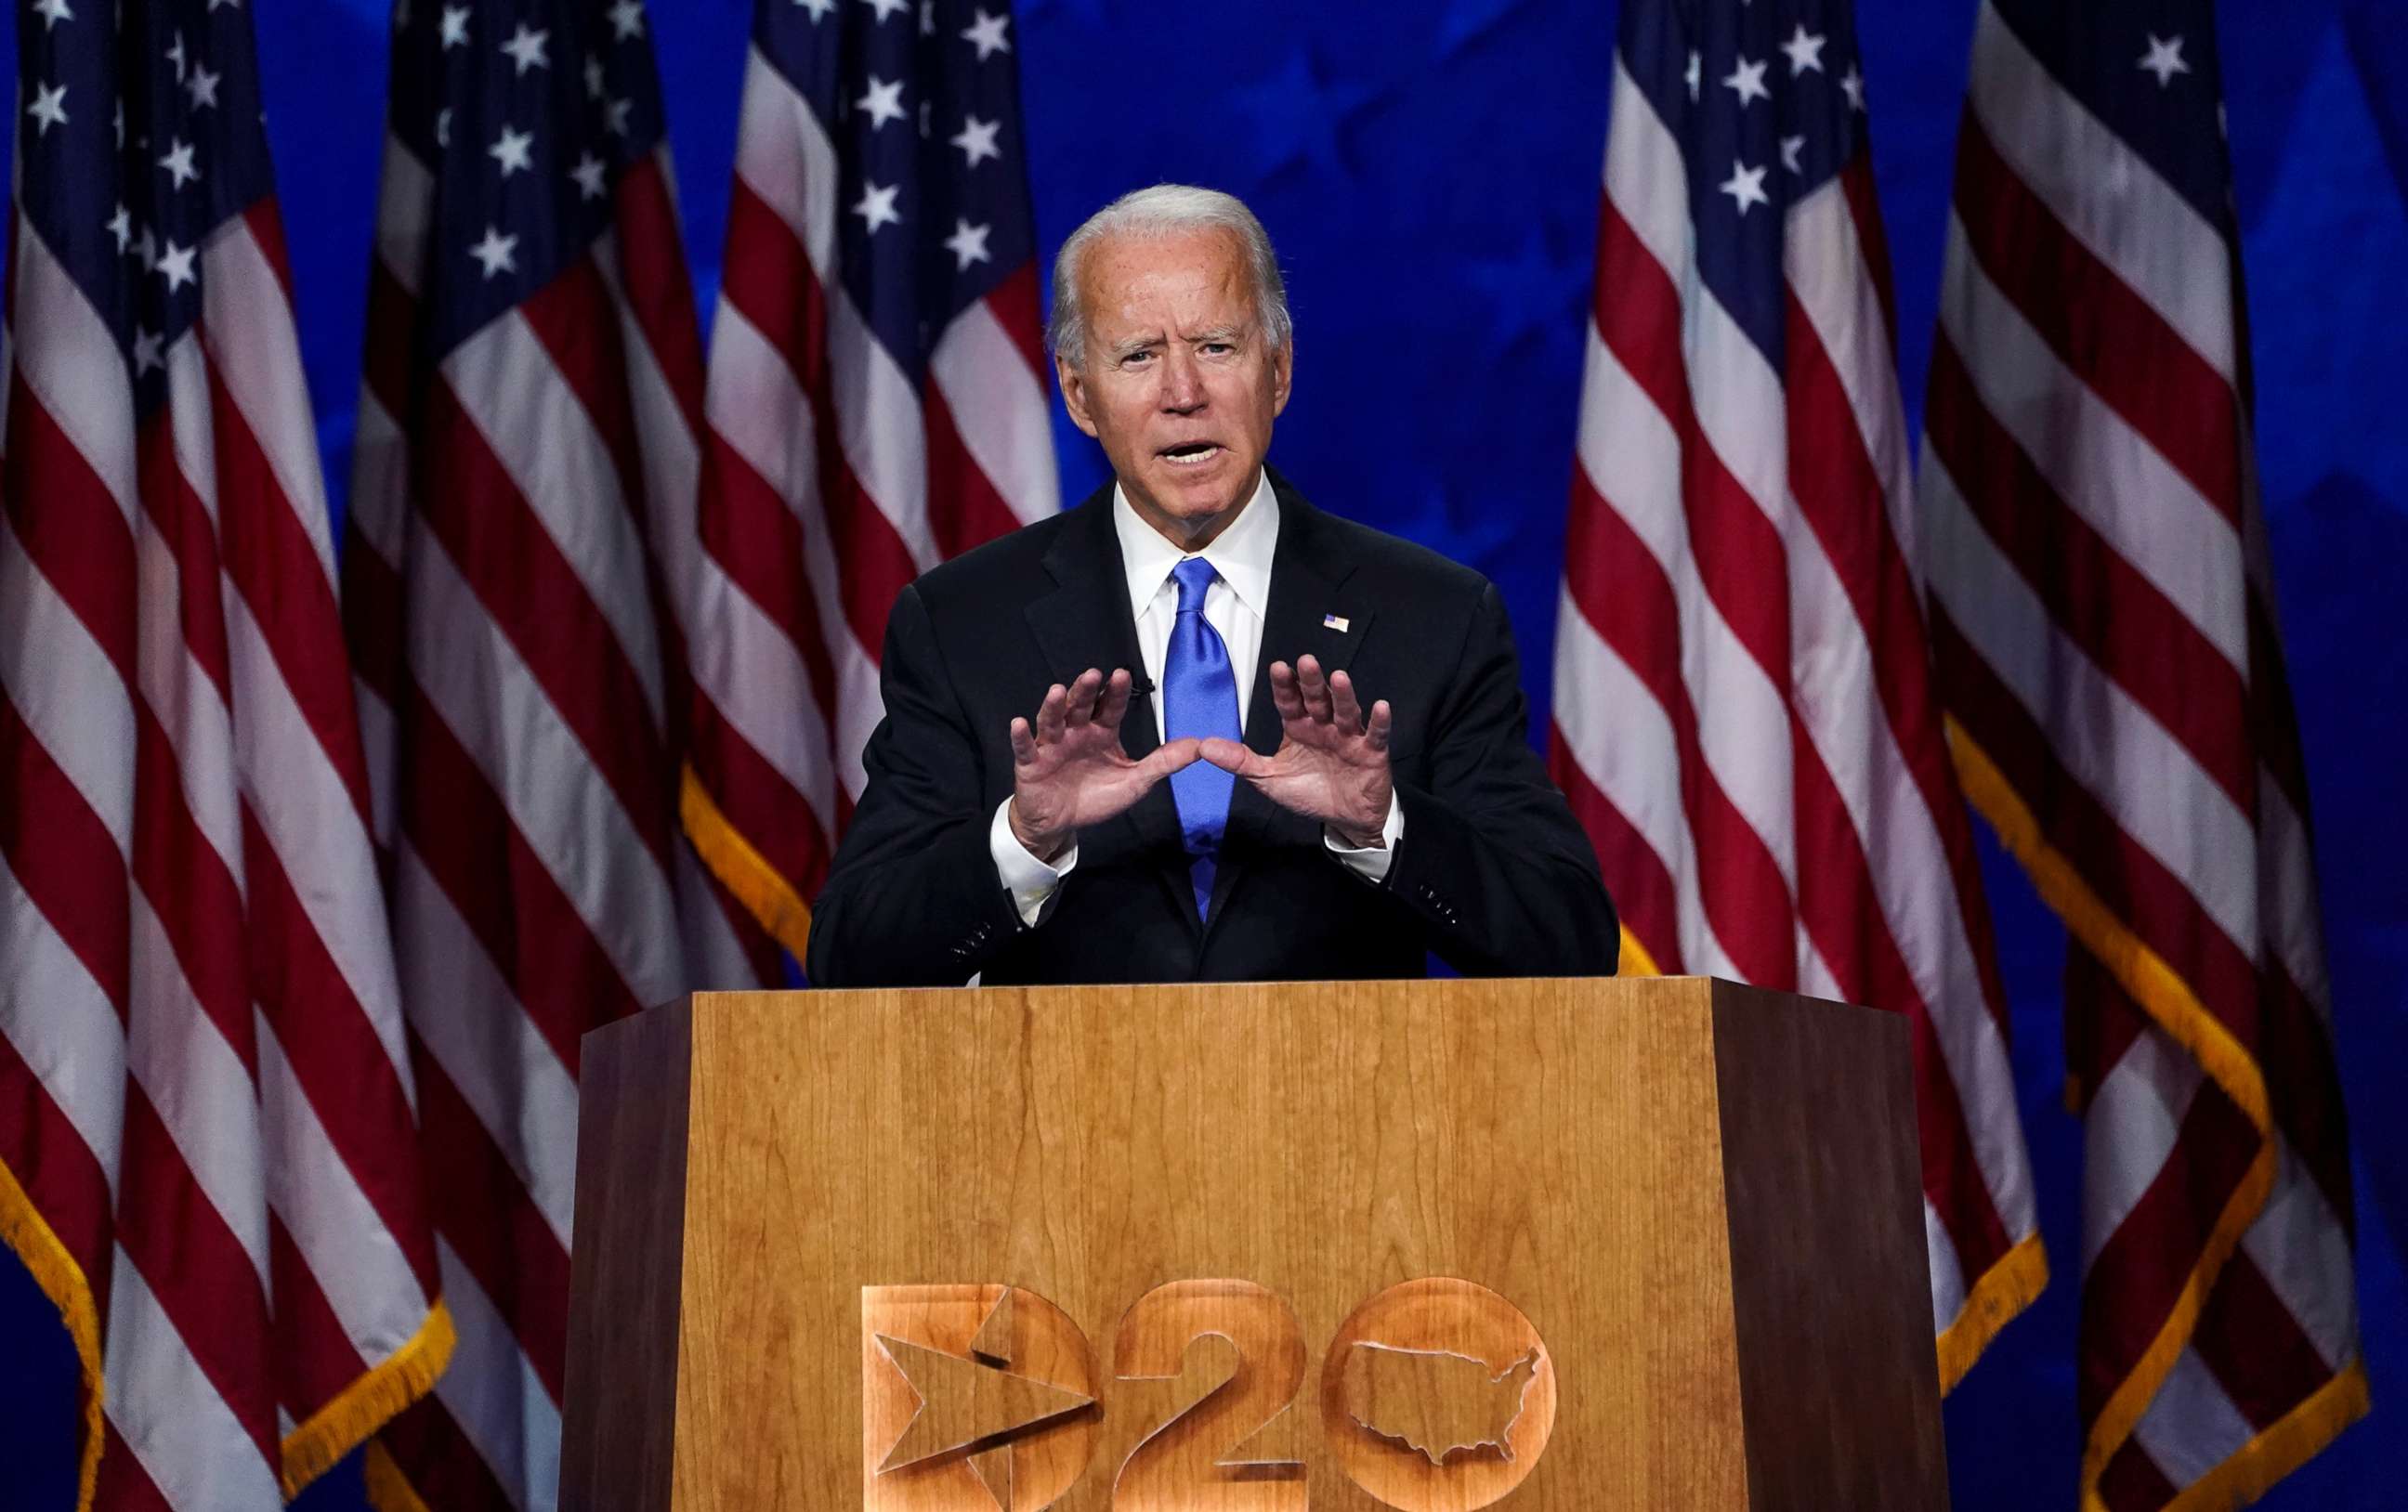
1429	171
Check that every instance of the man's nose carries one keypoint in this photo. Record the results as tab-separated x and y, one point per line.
1182	383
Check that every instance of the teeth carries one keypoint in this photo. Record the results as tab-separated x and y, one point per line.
1191	458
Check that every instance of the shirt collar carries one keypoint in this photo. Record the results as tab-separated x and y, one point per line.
1242	554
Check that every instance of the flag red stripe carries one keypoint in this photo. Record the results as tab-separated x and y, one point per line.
2132	883
1644	894
2303	1083
759	802
1622	592
1864	208
2138	1274
443	1467
654	281
535	597
2273	720
69	526
198	1271
65	858
576	322
191	890
2112	339
323	1030
976	512
276	567
758	542
486	1216
459	829
2131	1481
1014	305
2119	618
123	1485
58	1170
2252	1345
769	281
389	356
373	614
1839	491
184	528
317	1356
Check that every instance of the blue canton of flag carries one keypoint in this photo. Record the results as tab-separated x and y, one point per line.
924	110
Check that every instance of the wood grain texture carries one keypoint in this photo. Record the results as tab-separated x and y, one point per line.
1557	1142
625	1289
1837	1373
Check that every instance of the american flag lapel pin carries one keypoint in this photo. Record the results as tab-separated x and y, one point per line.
1334	621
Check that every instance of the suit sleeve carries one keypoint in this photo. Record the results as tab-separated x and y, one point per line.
1500	875
914	899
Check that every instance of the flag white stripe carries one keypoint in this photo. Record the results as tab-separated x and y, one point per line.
2105	193
539	431
496	1396
472	1025
1646	177
405	211
256	353
2104	470
78	708
68	359
2299	1244
2145	778
379	504
307	814
2135	1115
2284	859
562	806
2191	1426
74	1046
1947	1270
999	407
169	1413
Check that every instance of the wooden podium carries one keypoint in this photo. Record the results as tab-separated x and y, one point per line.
1649	1243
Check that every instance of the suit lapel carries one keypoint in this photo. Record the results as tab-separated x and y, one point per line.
1086	622
1309	589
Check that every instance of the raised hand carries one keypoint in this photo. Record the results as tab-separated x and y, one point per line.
1069	770
1332	763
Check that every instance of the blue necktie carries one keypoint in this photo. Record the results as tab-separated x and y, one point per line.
1199	698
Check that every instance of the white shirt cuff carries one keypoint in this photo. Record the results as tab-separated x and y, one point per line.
1032	882
1371	863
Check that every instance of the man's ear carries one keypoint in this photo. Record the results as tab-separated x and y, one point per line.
1283	371
1074	395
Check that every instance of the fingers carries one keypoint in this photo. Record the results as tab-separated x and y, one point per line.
1315	688
1168	758
1084	694
1343	705
1052	713
1111	706
1286	696
1023	744
1234	758
1384	720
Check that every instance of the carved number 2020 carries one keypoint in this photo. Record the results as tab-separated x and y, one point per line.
1201	1458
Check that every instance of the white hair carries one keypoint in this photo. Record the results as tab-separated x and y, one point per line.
1161	211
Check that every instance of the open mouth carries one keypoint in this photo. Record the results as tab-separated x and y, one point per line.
1191	453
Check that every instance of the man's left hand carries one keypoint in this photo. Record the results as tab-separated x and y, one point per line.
1332	763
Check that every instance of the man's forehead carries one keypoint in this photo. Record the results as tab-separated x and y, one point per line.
1129	269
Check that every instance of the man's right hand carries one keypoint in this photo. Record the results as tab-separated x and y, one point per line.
1069	770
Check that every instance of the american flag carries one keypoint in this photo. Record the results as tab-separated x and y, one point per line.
520	557
207	1147
2105	631
1745	716
876	401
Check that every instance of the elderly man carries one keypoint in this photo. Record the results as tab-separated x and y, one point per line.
1196	729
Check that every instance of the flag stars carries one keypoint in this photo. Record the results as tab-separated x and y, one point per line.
1694	75
976	140
588	175
819	9
1804	52
627	20
1746	81
593	78
455	27
1745	186
121	225
877	206
615	116
148	352
52	12
178	165
1851	84
511	150
176	265
1790	148
927	17
985	33
2164	59
443	127
525	49
887	9
175	56
49	106
496	253
885	102
203	86
967	244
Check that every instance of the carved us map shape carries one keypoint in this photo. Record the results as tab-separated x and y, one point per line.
1435	1401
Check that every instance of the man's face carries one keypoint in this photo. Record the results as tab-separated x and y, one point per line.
1178	381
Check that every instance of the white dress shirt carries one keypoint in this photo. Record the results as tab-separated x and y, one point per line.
1235	606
